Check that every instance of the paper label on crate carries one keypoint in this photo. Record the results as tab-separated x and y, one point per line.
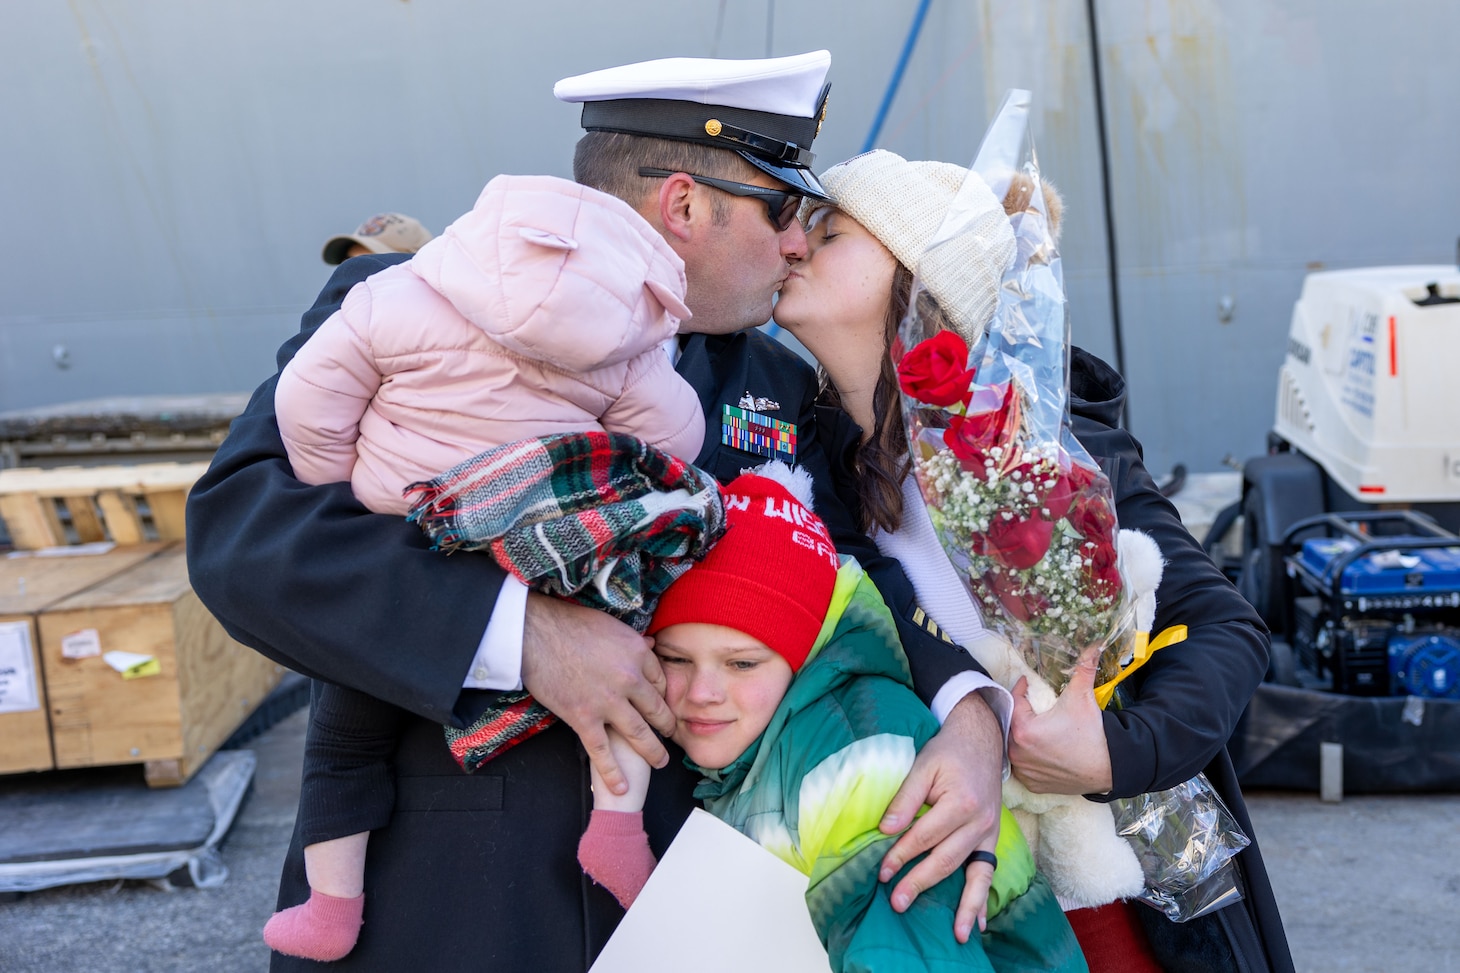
132	664
17	669
81	645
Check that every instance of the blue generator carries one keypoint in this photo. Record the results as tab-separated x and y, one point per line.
1377	603
1425	665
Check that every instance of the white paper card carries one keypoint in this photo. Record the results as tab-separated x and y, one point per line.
17	669
122	661
82	644
716	903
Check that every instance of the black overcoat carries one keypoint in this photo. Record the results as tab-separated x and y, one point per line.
1188	698
474	872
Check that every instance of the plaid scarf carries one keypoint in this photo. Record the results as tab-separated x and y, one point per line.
602	519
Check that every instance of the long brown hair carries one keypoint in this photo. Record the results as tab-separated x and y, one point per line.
881	461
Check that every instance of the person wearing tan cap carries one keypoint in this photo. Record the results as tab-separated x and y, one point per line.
481	870
382	233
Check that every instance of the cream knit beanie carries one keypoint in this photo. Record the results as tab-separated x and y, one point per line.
903	204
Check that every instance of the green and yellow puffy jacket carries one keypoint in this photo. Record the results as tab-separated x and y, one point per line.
815	785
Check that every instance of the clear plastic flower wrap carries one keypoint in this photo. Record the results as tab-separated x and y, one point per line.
1025	514
1022	511
1185	839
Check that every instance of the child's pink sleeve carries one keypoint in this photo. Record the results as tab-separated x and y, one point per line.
659	407
614	852
323	392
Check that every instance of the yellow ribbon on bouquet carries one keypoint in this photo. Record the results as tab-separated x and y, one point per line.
1144	649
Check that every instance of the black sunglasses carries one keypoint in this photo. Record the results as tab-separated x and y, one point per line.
781	205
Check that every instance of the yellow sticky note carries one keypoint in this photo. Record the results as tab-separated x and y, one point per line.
149	668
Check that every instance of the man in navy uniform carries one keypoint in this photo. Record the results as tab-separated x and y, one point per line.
481	870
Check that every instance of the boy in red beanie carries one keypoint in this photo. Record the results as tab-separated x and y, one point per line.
794	700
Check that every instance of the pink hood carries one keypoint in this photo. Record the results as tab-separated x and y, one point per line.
536	250
541	311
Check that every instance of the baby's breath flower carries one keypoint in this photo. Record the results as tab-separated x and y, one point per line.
1066	609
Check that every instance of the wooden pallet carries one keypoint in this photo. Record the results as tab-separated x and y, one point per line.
28	586
170	718
80	505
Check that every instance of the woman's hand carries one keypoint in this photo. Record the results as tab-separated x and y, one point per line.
1063	749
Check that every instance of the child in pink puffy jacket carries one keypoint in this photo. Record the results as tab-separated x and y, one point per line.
543	310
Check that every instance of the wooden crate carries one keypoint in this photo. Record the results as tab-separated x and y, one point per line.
28	586
83	504
204	684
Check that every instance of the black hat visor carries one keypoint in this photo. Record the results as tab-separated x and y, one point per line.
778	145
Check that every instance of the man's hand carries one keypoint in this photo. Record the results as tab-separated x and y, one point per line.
1063	749
593	672
959	774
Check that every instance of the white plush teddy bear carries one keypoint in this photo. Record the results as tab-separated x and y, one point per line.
1074	840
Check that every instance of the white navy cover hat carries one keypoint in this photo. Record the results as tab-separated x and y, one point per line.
766	110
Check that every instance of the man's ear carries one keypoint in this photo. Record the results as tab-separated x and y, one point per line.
678	207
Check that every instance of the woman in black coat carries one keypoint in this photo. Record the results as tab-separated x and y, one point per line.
845	302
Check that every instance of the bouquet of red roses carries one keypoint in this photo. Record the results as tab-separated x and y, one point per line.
1022	511
1025	514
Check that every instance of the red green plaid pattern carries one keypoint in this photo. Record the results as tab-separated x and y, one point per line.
513	717
601	519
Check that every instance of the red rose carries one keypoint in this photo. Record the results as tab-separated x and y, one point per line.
936	371
1051	500
1102	557
1092	517
1081	476
1015	543
1109	580
972	454
1020	602
970	436
1060	496
1102	574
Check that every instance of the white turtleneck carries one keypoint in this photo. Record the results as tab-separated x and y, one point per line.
943	597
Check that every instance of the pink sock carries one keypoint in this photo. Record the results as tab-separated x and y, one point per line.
324	928
614	852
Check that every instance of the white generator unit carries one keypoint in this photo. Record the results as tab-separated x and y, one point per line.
1370	388
1350	551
